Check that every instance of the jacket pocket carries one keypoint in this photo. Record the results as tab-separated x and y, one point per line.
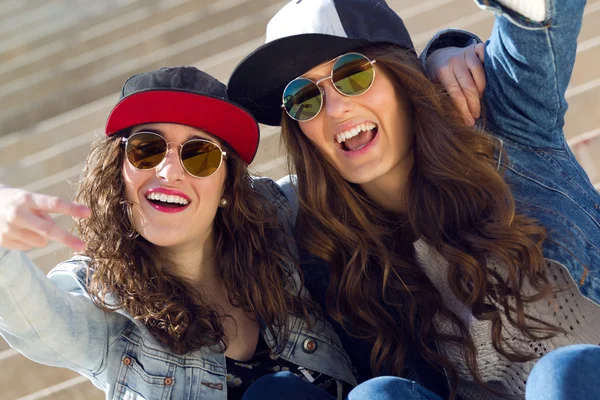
144	378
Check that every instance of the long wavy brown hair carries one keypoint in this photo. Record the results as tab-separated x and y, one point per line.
457	201
127	271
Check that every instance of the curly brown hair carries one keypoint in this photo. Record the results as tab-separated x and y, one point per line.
463	208
127	272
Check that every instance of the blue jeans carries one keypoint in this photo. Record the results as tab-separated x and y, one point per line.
571	372
287	386
567	373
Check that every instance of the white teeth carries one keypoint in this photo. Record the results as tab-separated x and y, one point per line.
350	133
167	198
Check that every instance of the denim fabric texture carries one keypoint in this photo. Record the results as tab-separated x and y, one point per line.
54	322
285	385
528	67
573	371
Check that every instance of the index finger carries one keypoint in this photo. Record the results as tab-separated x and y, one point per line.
58	235
477	69
53	204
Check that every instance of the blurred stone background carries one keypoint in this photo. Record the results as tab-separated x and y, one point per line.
62	63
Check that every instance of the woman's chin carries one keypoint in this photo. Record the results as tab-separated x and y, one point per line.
162	239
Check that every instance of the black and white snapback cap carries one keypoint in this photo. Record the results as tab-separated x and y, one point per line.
302	35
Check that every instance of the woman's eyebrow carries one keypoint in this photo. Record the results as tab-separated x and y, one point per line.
157	131
162	133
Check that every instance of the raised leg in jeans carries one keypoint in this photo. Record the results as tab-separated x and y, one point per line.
287	386
571	372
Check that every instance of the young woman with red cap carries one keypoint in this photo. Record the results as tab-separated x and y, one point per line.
435	246
185	284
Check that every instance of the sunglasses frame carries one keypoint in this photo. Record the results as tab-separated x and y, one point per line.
224	155
330	77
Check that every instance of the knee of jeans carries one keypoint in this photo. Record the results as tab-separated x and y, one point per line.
273	383
381	386
566	363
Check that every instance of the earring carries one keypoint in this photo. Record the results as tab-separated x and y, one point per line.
223	202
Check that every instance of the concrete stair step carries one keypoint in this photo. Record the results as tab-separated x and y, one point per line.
52	48
3	346
78	388
12	8
586	148
18	145
584	109
61	156
586	67
445	11
110	80
21	376
70	17
153	37
30	17
90	46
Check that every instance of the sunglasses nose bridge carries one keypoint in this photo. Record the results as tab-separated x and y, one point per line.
177	148
323	79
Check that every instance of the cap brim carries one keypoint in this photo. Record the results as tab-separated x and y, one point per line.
216	116
258	81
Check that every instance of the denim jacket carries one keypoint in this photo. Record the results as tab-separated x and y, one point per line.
528	66
53	321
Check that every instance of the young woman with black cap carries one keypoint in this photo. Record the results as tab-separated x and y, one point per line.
185	282
425	238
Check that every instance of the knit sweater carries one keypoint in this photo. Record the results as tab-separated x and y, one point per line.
577	315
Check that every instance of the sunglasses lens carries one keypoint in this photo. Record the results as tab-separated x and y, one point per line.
145	150
353	74
201	158
302	99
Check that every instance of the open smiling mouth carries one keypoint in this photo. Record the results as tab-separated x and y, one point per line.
165	202
358	137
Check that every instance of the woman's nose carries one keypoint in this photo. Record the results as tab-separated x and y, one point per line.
170	169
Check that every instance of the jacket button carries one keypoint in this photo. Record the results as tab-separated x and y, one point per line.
127	361
168	381
309	346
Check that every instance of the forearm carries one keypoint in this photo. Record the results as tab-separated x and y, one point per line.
45	323
528	67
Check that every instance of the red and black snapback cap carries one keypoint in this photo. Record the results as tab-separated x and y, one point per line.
187	96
